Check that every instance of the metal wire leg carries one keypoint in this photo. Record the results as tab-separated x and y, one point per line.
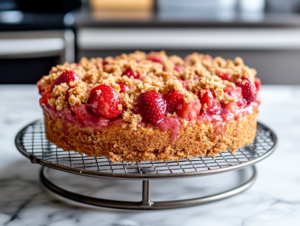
145	204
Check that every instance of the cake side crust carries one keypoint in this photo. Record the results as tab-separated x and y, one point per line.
152	144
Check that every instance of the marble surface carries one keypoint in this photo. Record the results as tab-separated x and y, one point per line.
274	199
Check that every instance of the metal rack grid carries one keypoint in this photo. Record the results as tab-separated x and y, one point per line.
32	143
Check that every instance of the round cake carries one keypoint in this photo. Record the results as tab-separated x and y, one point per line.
150	107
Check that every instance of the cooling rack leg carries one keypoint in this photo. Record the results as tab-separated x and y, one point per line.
146	203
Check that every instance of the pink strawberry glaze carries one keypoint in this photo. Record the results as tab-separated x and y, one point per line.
170	123
226	115
81	115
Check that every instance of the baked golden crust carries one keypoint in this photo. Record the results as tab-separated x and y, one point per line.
152	144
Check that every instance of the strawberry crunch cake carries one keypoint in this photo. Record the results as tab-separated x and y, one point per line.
150	107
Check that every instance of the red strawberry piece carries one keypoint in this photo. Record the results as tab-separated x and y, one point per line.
104	63
151	106
155	58
123	87
44	98
130	73
47	88
235	92
184	83
104	101
181	81
67	93
173	99
81	112
248	89
209	99
208	58
224	76
257	83
190	110
231	106
179	68
67	77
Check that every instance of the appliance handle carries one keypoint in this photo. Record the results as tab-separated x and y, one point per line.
227	39
30	46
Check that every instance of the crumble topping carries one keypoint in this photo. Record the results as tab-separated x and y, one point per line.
157	72
129	116
78	93
59	96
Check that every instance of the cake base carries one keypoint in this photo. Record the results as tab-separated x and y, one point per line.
152	144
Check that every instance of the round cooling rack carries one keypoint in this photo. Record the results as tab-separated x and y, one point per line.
32	143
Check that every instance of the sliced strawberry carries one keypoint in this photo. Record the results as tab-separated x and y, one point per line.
248	89
224	76
67	77
235	92
104	101
190	110
257	83
123	87
130	73
151	106
44	98
173	99
209	99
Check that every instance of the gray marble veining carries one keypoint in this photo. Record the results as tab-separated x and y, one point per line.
273	200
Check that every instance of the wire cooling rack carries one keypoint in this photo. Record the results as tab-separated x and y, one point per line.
32	143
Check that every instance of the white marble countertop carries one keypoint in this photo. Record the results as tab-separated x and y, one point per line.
273	200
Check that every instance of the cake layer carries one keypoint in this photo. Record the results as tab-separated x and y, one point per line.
151	143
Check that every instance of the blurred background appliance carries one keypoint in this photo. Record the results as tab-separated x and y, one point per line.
273	52
34	36
265	33
26	55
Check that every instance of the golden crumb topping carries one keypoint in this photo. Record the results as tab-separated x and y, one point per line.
143	72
